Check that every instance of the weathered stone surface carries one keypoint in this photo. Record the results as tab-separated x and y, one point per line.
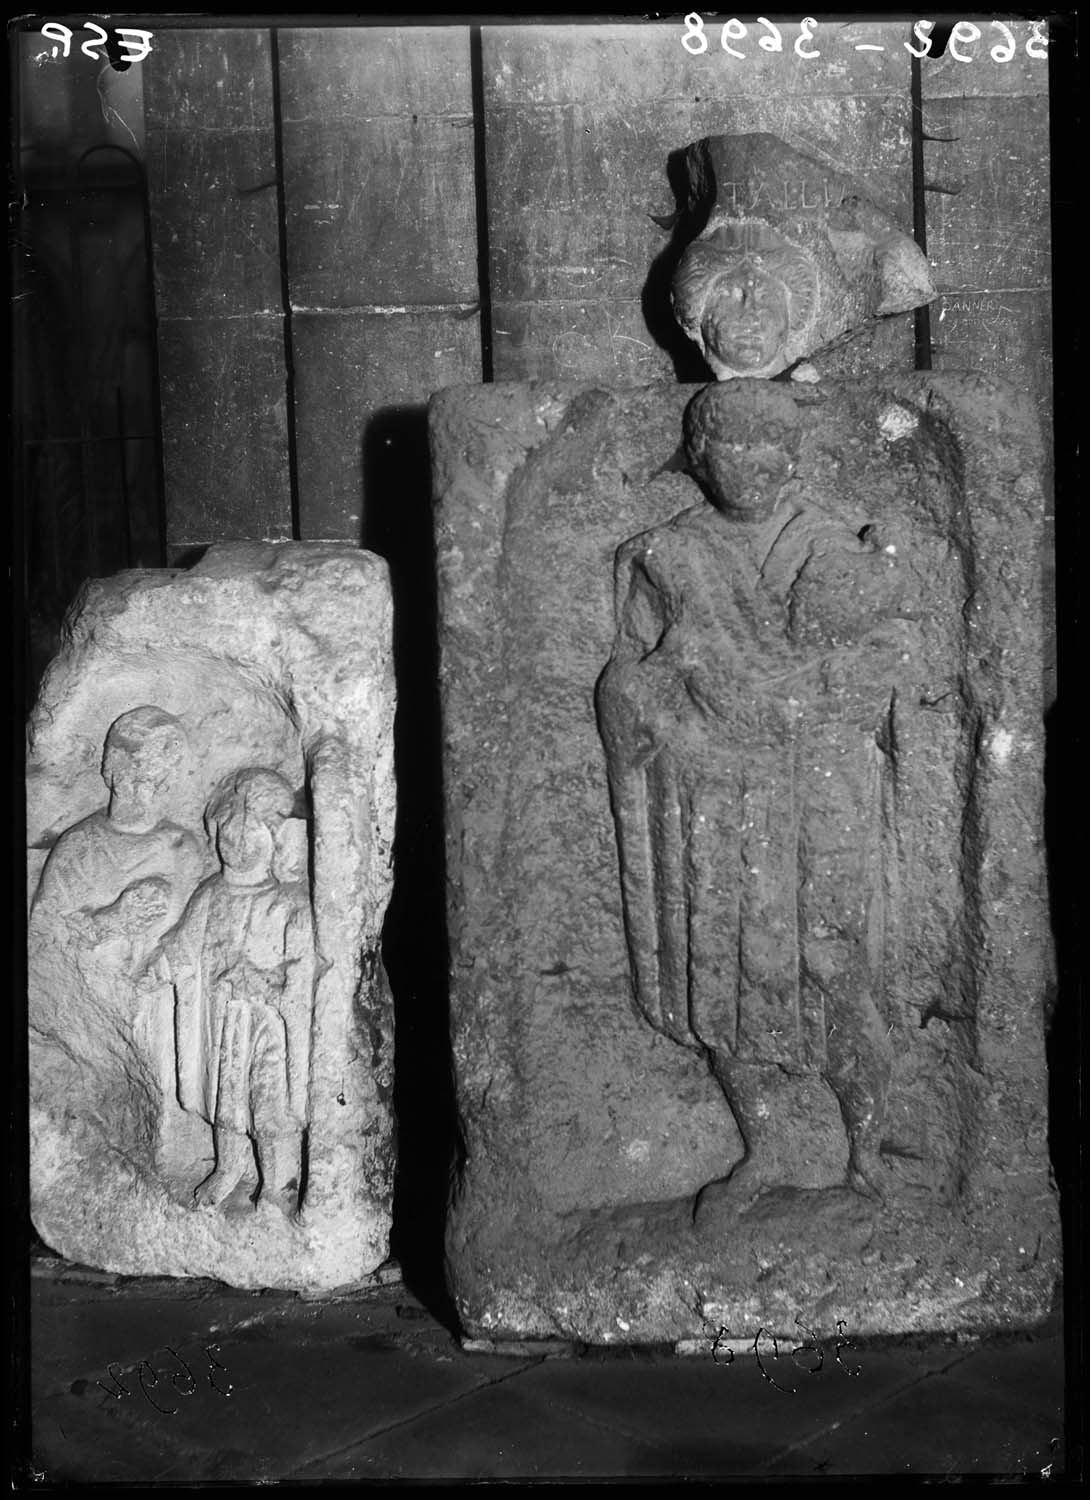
210	1027
802	763
792	257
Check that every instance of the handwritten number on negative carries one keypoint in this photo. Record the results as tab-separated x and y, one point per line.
123	1388
809	1345
1038	36
921	36
694	32
215	1365
965	32
166	1411
88	47
844	1343
137	44
774	41
723	1333
1004	50
787	1390
189	1377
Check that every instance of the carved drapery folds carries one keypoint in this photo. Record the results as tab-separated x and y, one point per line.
207	1003
748	909
774	642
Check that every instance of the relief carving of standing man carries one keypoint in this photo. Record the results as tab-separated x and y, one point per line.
123	874
243	965
748	715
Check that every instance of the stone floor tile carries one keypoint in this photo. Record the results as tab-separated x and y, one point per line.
74	1337
1028	1374
74	1441
710	1416
939	1426
77	1329
269	1404
504	1431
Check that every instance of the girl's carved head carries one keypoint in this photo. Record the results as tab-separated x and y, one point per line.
244	816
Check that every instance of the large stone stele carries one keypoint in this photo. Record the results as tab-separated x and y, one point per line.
748	923
210	805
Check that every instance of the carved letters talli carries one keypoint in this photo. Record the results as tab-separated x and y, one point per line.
792	257
210	1025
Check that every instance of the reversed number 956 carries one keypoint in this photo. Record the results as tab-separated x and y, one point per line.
132	50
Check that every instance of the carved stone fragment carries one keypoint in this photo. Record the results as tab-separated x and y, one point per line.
750	942
210	1027
792	257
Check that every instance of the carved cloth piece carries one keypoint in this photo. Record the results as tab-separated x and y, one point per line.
834	784
210	817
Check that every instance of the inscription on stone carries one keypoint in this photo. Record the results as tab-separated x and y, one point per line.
791	259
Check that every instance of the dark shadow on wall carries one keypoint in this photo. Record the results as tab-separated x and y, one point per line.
398	526
685	224
1065	733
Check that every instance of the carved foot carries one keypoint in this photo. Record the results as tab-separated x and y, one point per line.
730	1196
217	1187
864	1178
286	1199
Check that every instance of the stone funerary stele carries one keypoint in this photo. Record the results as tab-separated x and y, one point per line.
743	739
210	820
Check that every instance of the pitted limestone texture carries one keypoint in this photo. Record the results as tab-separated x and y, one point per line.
748	918
210	819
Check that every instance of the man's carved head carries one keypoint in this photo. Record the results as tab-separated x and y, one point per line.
244	815
742	441
143	751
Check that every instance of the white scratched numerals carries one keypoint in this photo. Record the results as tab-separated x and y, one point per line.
53	31
134	45
140	49
774	41
965	32
1037	46
1004	50
733	31
88	47
921	36
694	33
809	26
695	38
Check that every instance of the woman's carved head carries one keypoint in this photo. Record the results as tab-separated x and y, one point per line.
745	295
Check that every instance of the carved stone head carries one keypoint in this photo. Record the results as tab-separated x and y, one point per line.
794	256
143	751
244	816
742	442
747	297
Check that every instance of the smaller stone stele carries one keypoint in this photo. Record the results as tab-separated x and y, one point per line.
210	819
794	257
